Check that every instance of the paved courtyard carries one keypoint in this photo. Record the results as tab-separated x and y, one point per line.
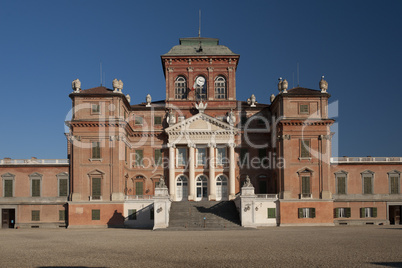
344	246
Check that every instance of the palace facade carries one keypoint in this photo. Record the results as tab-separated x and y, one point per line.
205	145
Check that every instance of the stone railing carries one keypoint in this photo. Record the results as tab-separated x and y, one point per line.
33	161
267	196
369	159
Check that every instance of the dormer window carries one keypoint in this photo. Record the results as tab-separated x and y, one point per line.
220	87
180	86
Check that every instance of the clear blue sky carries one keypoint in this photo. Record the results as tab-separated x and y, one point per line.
47	44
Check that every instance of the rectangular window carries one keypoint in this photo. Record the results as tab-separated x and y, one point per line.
304	148
158	157
8	188
221	158
96	153
367	187
306	213
35	216
271	213
306	185
139	190
341	185
62	215
96	214
151	214
394	187
368	212
35	187
304	109
139	157
95	108
181	156
201	156
157	120
96	188
138	120
342	213
63	186
132	214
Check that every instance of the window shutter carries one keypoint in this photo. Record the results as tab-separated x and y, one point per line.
300	212
96	214
96	150
96	188
304	148
362	213
62	187
139	188
341	185
158	157
139	157
271	213
305	185
374	212
8	188
367	185
336	212
347	212
394	185
312	212
62	215
36	187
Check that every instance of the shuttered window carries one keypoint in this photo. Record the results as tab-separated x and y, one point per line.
341	185
35	215
95	108
271	213
63	186
96	188
305	185
96	153
139	156
304	108
394	187
35	187
96	214
139	188
157	120
132	214
62	215
367	187
342	213
158	157
8	188
304	148
306	213
368	212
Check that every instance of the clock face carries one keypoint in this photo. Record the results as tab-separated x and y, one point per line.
200	81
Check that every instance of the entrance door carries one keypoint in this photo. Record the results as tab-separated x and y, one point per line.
181	188
202	187
221	188
7	218
395	214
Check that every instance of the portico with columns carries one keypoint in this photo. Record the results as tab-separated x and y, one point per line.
202	158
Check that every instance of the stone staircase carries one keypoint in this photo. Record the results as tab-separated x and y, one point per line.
190	215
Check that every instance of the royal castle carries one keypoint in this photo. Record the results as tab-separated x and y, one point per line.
149	164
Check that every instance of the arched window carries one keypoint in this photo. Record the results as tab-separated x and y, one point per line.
180	86
200	87
220	87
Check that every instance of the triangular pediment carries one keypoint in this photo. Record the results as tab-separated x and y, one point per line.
202	123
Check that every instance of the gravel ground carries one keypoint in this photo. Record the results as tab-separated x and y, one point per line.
343	246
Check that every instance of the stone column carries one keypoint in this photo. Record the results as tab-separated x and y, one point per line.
191	171
232	166
172	188
212	183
